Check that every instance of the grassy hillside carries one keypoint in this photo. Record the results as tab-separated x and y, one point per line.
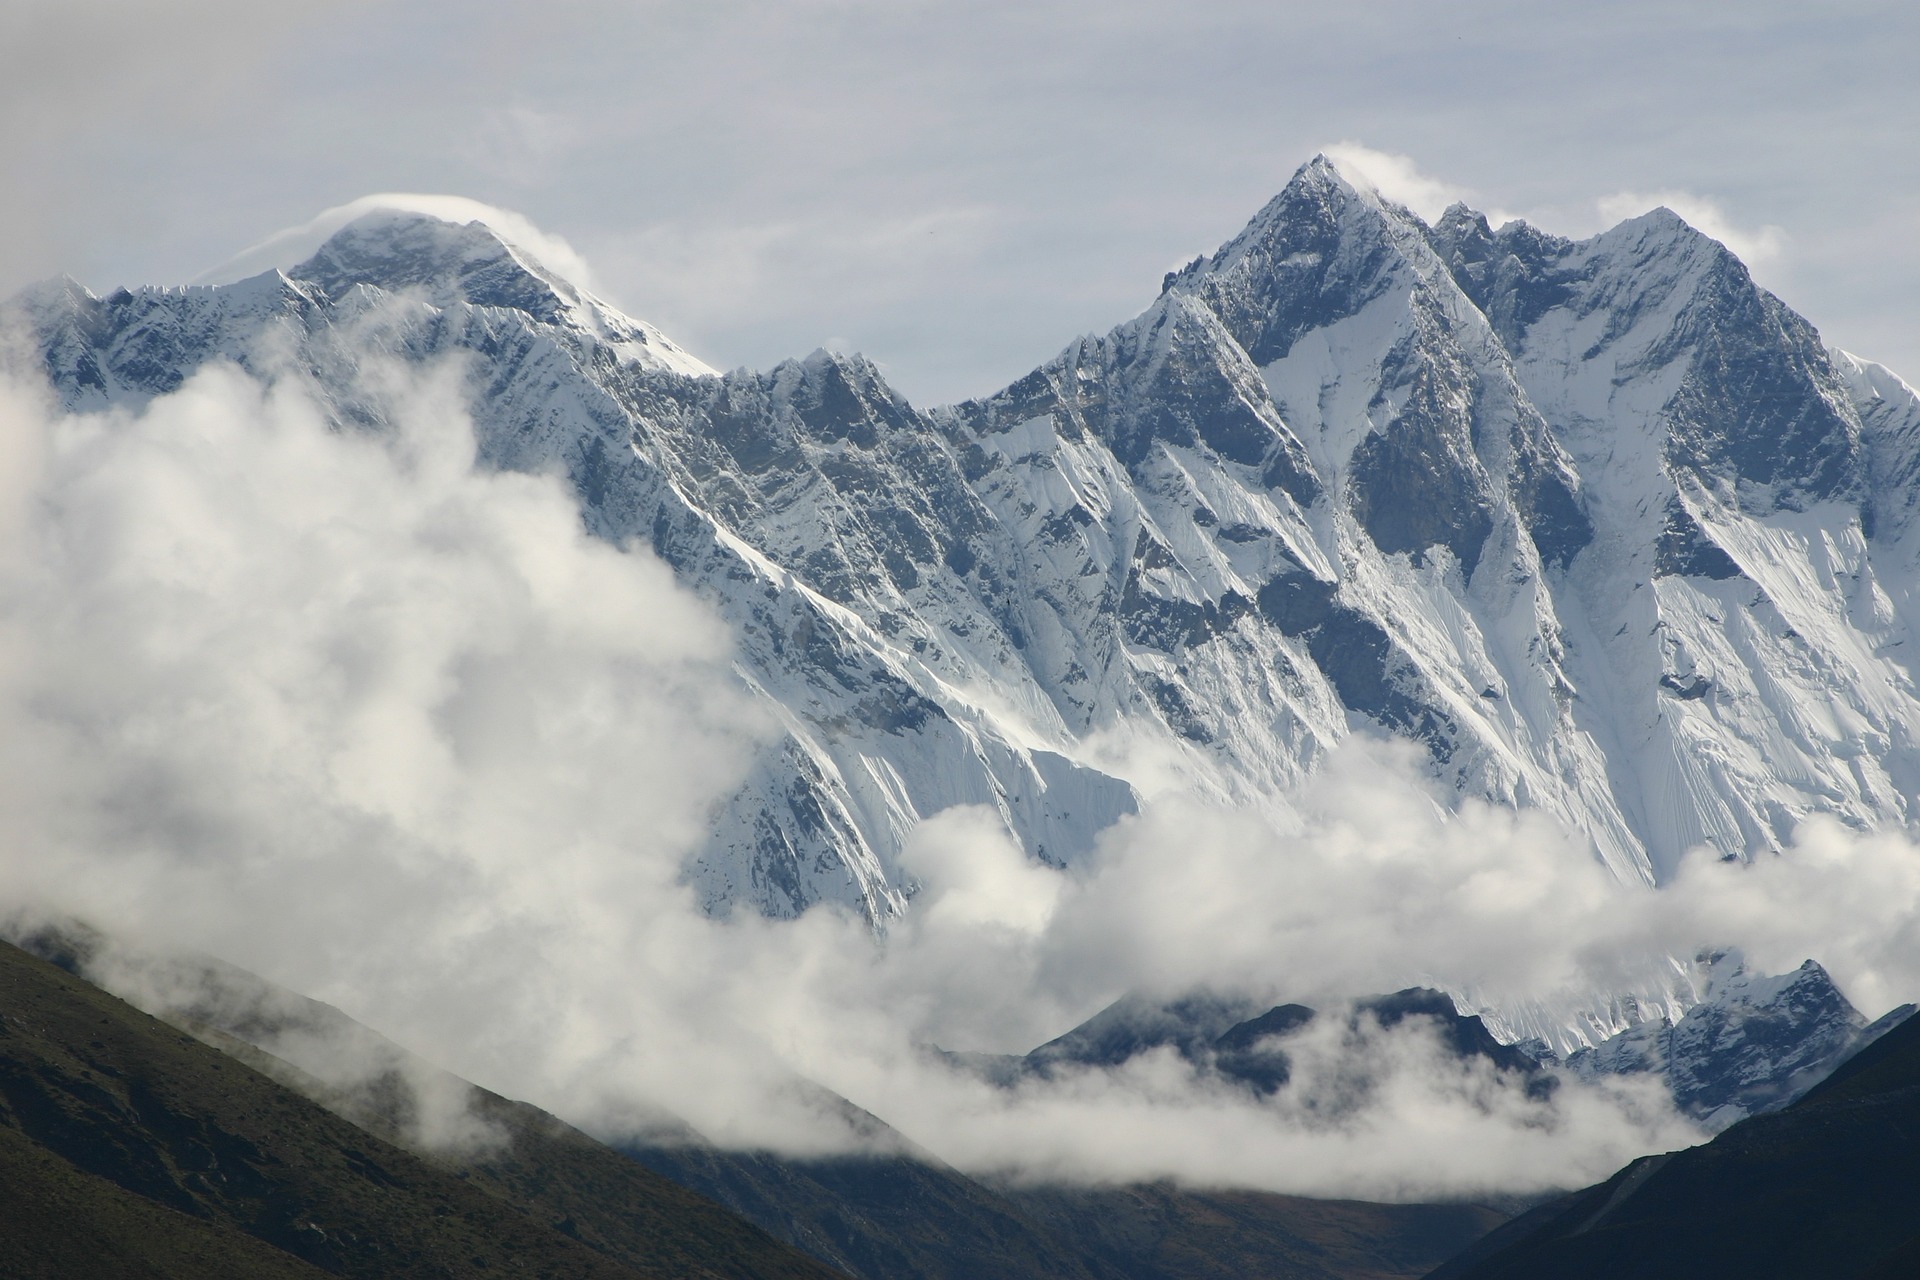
58	1223
1828	1187
123	1137
894	1218
344	1167
1162	1232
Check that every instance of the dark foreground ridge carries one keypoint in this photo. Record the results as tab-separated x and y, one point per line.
890	1218
130	1148
129	1145
1828	1187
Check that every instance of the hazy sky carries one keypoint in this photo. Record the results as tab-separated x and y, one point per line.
955	189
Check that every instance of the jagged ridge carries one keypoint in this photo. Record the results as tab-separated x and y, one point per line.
1598	522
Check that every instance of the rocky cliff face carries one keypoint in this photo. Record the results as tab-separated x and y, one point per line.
1752	1043
1599	523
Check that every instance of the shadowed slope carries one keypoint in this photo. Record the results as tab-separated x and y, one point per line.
100	1103
61	1222
1826	1187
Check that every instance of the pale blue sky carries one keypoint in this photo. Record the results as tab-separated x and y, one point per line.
955	189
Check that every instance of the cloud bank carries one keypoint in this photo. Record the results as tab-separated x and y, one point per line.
332	705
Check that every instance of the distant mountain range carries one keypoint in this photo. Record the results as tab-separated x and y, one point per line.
1751	1044
1601	524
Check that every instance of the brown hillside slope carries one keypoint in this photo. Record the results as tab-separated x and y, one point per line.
98	1100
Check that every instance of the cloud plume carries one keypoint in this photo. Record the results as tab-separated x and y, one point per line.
1397	178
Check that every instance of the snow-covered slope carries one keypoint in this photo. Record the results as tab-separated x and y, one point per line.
1599	523
1729	599
827	520
1752	1043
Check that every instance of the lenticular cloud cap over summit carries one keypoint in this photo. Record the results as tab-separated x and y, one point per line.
291	245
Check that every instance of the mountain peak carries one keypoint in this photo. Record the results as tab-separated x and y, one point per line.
1318	194
395	249
1462	221
1322	247
54	294
450	262
1664	217
1660	232
1322	179
1324	169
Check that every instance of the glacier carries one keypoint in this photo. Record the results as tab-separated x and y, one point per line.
1600	524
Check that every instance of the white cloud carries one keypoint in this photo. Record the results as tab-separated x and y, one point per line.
1378	1114
1756	247
1397	178
345	711
975	880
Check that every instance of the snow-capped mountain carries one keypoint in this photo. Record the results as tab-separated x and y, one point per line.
1234	1040
1742	1043
1751	1043
1600	523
